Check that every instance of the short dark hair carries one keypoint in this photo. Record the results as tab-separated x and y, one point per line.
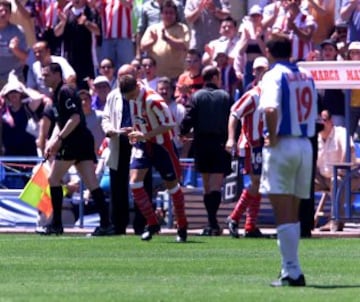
127	83
55	68
279	46
153	61
229	19
209	72
195	52
168	3
6	4
165	80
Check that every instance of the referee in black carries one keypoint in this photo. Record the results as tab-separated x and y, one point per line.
71	143
208	114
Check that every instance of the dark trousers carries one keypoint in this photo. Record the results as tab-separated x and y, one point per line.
307	206
119	191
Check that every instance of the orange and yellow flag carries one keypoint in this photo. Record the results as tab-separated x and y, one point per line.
37	191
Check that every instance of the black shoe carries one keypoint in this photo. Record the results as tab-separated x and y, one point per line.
287	281
52	229
149	231
181	235
104	231
253	234
211	231
233	227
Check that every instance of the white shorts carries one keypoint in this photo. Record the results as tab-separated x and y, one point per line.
287	167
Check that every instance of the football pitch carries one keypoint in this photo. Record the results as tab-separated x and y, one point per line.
122	268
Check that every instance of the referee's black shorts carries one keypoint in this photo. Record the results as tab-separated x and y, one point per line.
210	155
79	146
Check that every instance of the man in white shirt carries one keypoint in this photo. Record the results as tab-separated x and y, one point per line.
43	57
332	149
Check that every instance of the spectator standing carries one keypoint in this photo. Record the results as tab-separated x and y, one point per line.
167	42
101	90
148	65
13	49
78	25
24	14
248	148
299	26
204	18
16	139
117	31
93	119
332	99
107	69
250	46
208	115
354	55
72	144
51	19
152	145
164	88
229	81
287	152
225	43
350	13
331	149
191	79
43	57
150	15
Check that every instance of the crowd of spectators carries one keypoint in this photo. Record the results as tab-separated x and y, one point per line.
167	42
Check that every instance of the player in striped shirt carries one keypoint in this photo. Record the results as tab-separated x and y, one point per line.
152	146
249	149
289	103
117	31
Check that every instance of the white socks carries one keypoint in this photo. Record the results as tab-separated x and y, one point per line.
288	241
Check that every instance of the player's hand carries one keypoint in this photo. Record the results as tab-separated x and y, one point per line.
126	130
270	141
14	43
52	147
230	146
136	136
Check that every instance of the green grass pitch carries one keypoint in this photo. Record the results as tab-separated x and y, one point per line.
76	268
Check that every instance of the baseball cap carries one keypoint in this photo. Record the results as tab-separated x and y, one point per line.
255	10
340	23
328	42
260	62
101	79
12	86
354	45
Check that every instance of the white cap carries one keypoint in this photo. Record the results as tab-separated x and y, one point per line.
260	62
101	79
255	10
354	45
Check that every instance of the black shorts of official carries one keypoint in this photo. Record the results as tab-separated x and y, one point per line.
210	156
78	147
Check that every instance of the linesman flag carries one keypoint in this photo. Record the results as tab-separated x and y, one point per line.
37	191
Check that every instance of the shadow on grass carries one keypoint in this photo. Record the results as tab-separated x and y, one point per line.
187	242
332	286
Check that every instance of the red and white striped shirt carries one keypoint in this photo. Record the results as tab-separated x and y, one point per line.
116	19
148	112
300	48
245	109
51	14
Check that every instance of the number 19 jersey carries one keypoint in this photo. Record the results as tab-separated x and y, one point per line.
292	92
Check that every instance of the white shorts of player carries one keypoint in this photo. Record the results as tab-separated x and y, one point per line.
287	167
